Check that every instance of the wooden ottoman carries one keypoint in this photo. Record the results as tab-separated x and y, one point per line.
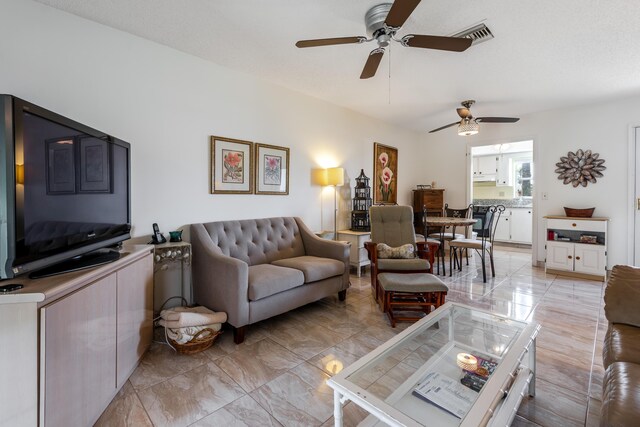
410	292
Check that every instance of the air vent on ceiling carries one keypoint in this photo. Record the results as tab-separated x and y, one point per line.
478	33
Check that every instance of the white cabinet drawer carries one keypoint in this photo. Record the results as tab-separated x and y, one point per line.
582	225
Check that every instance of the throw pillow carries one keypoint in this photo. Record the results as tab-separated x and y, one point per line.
404	251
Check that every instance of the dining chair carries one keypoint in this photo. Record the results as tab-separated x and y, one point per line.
445	236
488	218
439	252
392	225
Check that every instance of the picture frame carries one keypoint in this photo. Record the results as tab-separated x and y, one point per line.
272	169
385	173
95	166
61	165
231	169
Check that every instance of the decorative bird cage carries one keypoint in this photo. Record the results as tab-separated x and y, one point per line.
361	204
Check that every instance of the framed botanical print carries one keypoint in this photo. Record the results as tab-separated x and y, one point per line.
385	173
61	165
231	166
272	169
95	165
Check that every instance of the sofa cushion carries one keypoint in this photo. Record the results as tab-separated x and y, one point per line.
266	280
621	344
313	268
403	264
620	395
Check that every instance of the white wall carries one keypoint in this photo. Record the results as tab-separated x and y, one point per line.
603	128
167	104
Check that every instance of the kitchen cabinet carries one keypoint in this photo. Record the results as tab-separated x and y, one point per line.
521	225
515	226
503	228
567	250
485	168
505	171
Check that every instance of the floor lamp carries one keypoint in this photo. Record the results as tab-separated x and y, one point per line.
335	178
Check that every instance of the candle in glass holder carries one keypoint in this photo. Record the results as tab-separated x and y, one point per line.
466	361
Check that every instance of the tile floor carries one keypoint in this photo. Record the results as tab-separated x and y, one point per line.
277	376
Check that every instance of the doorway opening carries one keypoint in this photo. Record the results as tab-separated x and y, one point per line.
503	174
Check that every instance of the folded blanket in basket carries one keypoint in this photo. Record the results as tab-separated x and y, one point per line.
182	317
184	335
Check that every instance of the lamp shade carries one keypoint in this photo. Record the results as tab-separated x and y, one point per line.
467	128
19	174
335	176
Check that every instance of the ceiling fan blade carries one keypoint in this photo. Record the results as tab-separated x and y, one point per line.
454	44
463	113
330	42
372	64
497	119
400	12
444	127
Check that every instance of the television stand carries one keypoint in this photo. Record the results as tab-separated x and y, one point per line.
88	260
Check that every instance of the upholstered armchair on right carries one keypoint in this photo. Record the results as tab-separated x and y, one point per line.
392	226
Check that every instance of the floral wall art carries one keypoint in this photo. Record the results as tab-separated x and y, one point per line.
232	163
272	169
385	172
231	166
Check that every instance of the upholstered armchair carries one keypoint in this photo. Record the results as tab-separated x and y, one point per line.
393	226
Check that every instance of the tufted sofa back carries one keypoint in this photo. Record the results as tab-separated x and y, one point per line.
257	241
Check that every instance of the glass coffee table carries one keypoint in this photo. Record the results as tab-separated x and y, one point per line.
417	377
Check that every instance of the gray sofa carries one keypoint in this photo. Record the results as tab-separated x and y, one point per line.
255	269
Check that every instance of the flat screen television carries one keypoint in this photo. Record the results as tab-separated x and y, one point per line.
64	192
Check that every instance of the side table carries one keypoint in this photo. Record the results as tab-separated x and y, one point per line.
170	254
358	256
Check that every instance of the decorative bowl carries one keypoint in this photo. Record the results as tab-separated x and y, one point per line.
579	213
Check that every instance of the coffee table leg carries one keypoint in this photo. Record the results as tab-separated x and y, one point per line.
337	408
532	366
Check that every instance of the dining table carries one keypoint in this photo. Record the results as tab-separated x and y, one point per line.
447	221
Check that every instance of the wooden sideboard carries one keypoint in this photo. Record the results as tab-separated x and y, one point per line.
432	200
81	335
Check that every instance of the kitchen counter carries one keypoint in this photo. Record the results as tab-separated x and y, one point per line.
507	203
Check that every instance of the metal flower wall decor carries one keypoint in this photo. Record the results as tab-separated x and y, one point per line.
580	168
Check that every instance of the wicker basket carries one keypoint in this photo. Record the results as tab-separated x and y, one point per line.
200	342
579	213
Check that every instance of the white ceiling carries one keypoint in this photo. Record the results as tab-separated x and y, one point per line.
546	53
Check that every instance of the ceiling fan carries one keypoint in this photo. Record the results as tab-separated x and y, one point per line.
468	125
383	22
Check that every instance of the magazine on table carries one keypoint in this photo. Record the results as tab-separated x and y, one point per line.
446	393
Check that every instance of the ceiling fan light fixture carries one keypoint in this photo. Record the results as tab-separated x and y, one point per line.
467	128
